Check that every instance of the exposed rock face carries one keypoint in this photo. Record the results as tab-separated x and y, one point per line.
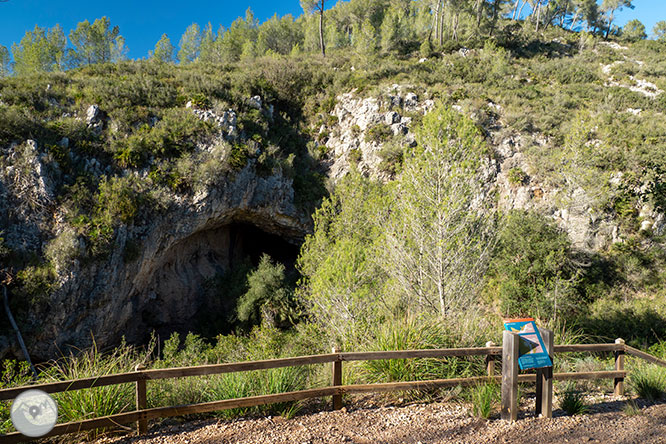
190	244
356	117
574	211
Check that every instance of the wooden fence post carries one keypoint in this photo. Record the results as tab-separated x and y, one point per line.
337	379
142	424
544	378
490	361
510	376
619	367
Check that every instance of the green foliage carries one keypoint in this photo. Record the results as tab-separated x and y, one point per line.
414	334
40	50
659	30
572	401
484	397
268	300
36	282
5	62
13	374
78	405
164	50
532	270
190	42
262	343
648	381
378	133
517	176
634	30
97	42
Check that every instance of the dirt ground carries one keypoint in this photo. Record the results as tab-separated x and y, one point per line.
370	421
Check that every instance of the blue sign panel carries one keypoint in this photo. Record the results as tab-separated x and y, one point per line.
532	352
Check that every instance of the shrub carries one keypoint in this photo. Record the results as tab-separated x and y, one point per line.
269	299
648	381
572	401
516	176
378	133
532	269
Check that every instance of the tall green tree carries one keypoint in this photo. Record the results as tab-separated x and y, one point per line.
659	31
278	35
97	42
633	31
5	61
395	29
310	6
610	7
40	50
242	32
438	242
164	50
190	43
364	39
207	47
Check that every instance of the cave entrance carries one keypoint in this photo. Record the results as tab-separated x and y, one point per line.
246	241
198	284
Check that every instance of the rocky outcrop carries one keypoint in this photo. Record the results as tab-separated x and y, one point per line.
180	251
357	117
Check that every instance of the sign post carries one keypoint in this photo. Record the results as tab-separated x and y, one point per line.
527	347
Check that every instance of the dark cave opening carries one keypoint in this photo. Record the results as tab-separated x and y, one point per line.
202	277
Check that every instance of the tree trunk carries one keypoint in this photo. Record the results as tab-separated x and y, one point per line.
441	24
610	21
437	24
538	18
321	29
520	13
479	12
515	10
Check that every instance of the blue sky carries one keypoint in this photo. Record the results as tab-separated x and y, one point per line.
143	22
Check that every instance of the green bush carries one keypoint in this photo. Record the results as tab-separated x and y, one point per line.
648	381
269	299
532	270
378	133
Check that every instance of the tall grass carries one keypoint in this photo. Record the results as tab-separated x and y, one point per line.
13	374
483	398
414	334
648	381
78	405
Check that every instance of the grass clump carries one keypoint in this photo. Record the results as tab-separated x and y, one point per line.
484	397
572	401
649	382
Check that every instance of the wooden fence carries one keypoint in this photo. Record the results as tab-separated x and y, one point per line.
142	415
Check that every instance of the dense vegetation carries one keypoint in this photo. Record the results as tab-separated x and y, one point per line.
417	261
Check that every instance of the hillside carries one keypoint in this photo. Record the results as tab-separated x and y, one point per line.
140	196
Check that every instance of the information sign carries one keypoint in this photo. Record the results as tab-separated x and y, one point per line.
532	352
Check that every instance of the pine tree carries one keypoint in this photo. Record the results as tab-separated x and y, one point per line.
310	6
659	31
164	50
40	50
190	44
97	43
5	61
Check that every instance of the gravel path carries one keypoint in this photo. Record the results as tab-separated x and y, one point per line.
431	423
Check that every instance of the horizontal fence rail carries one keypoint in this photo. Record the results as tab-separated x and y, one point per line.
140	376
